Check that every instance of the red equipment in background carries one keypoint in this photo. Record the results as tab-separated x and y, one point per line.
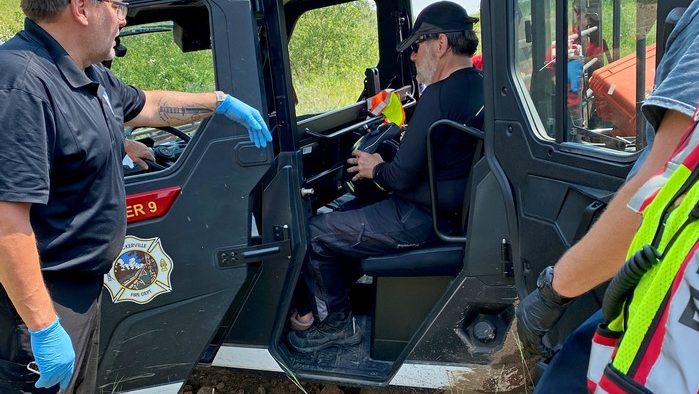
614	90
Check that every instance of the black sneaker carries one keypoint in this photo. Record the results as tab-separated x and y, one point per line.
335	330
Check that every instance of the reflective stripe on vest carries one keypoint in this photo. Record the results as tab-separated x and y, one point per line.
659	349
650	189
387	103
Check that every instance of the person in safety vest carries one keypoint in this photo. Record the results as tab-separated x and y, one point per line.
599	255
649	340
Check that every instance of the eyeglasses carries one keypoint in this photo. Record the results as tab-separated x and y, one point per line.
415	46
121	8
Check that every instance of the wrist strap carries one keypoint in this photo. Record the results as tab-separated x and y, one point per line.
220	97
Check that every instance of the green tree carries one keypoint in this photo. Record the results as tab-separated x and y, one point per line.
329	50
11	18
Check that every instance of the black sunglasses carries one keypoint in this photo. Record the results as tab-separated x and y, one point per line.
415	46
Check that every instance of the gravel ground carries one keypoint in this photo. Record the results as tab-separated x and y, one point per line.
230	381
508	374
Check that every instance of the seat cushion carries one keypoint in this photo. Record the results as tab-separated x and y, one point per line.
443	260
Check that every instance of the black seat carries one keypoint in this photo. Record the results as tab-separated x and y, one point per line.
444	259
407	285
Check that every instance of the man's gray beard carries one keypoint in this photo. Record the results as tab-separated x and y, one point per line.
425	74
420	79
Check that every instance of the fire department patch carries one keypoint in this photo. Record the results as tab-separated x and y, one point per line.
141	272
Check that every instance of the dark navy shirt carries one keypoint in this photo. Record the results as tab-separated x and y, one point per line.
459	98
62	146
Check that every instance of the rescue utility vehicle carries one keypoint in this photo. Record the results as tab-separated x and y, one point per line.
217	228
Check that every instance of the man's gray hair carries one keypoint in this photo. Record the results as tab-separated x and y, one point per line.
43	10
463	42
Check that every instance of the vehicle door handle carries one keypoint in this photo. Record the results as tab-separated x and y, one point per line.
240	256
261	252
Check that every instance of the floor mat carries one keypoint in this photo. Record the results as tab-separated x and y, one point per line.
349	360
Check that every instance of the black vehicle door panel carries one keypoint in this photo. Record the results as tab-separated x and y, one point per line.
282	222
559	188
161	340
158	341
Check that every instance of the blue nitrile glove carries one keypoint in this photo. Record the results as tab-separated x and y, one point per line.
247	116
54	355
575	69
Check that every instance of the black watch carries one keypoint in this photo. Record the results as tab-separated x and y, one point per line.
545	285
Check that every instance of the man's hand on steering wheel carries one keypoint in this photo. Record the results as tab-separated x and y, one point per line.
363	164
138	152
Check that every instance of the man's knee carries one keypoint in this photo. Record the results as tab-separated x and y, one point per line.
320	248
330	239
316	224
319	228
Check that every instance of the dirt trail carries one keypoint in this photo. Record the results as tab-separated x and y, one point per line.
229	381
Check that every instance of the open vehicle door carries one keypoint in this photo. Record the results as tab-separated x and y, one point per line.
217	230
431	317
560	153
430	323
197	242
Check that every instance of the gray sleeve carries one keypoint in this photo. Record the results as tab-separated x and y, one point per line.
27	134
676	78
676	86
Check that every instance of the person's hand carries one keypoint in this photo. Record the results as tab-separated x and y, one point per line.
363	164
538	312
574	50
247	116
138	152
575	70
54	355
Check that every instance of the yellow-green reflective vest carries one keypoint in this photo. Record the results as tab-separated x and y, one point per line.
652	344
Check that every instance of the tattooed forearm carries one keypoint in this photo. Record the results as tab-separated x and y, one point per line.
179	114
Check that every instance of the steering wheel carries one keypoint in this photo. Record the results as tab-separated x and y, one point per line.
382	140
165	153
176	132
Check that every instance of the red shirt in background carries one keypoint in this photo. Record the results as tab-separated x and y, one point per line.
478	61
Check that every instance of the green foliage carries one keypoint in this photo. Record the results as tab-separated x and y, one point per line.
11	19
329	50
155	62
629	24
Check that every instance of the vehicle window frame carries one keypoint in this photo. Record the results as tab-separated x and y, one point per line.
193	129
561	122
297	18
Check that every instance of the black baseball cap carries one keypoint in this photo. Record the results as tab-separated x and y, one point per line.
439	17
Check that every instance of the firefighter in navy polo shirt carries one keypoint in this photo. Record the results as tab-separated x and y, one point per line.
61	183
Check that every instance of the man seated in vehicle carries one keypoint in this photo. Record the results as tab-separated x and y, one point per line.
443	43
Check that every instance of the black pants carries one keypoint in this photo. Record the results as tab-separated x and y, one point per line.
340	239
77	302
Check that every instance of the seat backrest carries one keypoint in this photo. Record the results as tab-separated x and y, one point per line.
479	135
436	260
477	156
